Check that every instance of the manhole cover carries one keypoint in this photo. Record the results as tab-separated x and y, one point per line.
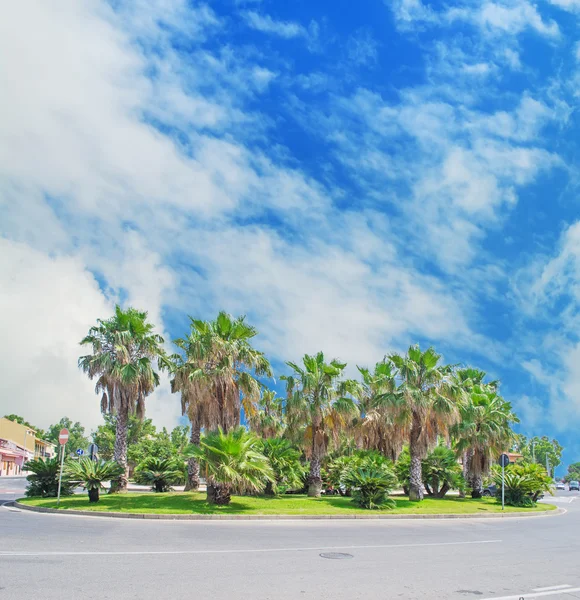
336	555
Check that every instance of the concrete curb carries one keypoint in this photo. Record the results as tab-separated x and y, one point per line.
187	517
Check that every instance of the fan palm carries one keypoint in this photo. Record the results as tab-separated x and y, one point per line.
318	406
91	474
267	421
123	350
380	427
427	402
441	472
484	429
159	473
231	461
285	463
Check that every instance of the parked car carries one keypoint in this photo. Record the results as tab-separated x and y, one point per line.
574	485
490	490
560	485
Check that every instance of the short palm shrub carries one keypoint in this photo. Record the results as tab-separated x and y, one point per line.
160	473
442	472
231	462
371	486
43	479
524	483
285	463
91	474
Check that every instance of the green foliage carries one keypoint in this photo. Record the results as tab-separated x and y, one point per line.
441	472
76	431
524	483
403	468
285	463
371	485
43	479
160	473
538	449
91	474
233	460
20	420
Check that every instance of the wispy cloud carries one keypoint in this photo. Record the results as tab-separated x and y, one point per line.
266	24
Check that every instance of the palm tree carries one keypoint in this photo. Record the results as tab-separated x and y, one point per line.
441	472
318	405
123	350
159	473
285	463
231	462
427	400
381	427
43	478
268	419
217	377
91	474
484	429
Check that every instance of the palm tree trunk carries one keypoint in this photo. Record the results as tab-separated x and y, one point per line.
120	456
269	491
466	467
94	495
416	473
314	479
444	489
477	486
218	494
192	482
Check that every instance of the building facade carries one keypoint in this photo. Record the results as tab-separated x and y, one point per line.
19	444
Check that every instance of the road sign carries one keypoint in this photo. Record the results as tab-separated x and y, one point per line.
93	449
63	437
80	452
504	460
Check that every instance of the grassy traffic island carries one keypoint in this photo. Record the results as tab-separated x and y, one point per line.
180	503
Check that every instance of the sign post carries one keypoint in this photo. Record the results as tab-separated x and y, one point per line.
62	440
93	449
504	461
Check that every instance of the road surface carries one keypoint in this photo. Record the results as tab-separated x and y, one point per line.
55	556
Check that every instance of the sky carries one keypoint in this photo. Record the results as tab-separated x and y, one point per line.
355	177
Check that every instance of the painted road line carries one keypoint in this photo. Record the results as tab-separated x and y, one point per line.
244	550
552	587
529	595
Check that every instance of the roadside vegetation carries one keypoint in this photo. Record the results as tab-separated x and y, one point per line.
331	443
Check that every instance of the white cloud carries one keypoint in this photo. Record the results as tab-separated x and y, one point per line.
266	24
48	305
362	48
571	5
514	17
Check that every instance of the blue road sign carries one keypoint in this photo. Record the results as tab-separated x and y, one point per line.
80	451
504	460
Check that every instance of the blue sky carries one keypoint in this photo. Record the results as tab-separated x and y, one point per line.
355	177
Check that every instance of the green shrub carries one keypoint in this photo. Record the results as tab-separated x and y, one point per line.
442	472
403	470
43	480
91	474
371	486
524	483
285	463
160	473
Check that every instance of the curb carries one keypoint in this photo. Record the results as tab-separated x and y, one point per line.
187	517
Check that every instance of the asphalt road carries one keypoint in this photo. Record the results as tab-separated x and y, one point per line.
55	556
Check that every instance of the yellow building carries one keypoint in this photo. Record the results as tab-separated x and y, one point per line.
19	444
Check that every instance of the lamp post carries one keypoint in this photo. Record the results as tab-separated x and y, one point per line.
26	433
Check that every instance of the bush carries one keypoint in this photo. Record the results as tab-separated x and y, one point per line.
371	486
285	463
91	474
441	472
524	483
43	481
160	473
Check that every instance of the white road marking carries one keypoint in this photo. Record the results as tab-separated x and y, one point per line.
529	595
244	550
552	587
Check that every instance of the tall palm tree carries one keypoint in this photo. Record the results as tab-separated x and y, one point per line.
484	429
268	419
427	400
318	404
381	426
124	349
216	375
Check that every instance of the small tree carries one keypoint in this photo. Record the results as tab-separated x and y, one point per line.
372	485
91	474
43	478
231	461
160	473
285	463
441	472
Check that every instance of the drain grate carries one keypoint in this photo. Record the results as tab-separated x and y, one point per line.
336	555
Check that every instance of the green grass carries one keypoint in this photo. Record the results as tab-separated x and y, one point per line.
194	503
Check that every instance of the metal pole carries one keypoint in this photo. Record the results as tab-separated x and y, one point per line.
502	485
60	476
547	465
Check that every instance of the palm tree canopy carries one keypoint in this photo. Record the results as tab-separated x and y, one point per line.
123	350
91	474
233	459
